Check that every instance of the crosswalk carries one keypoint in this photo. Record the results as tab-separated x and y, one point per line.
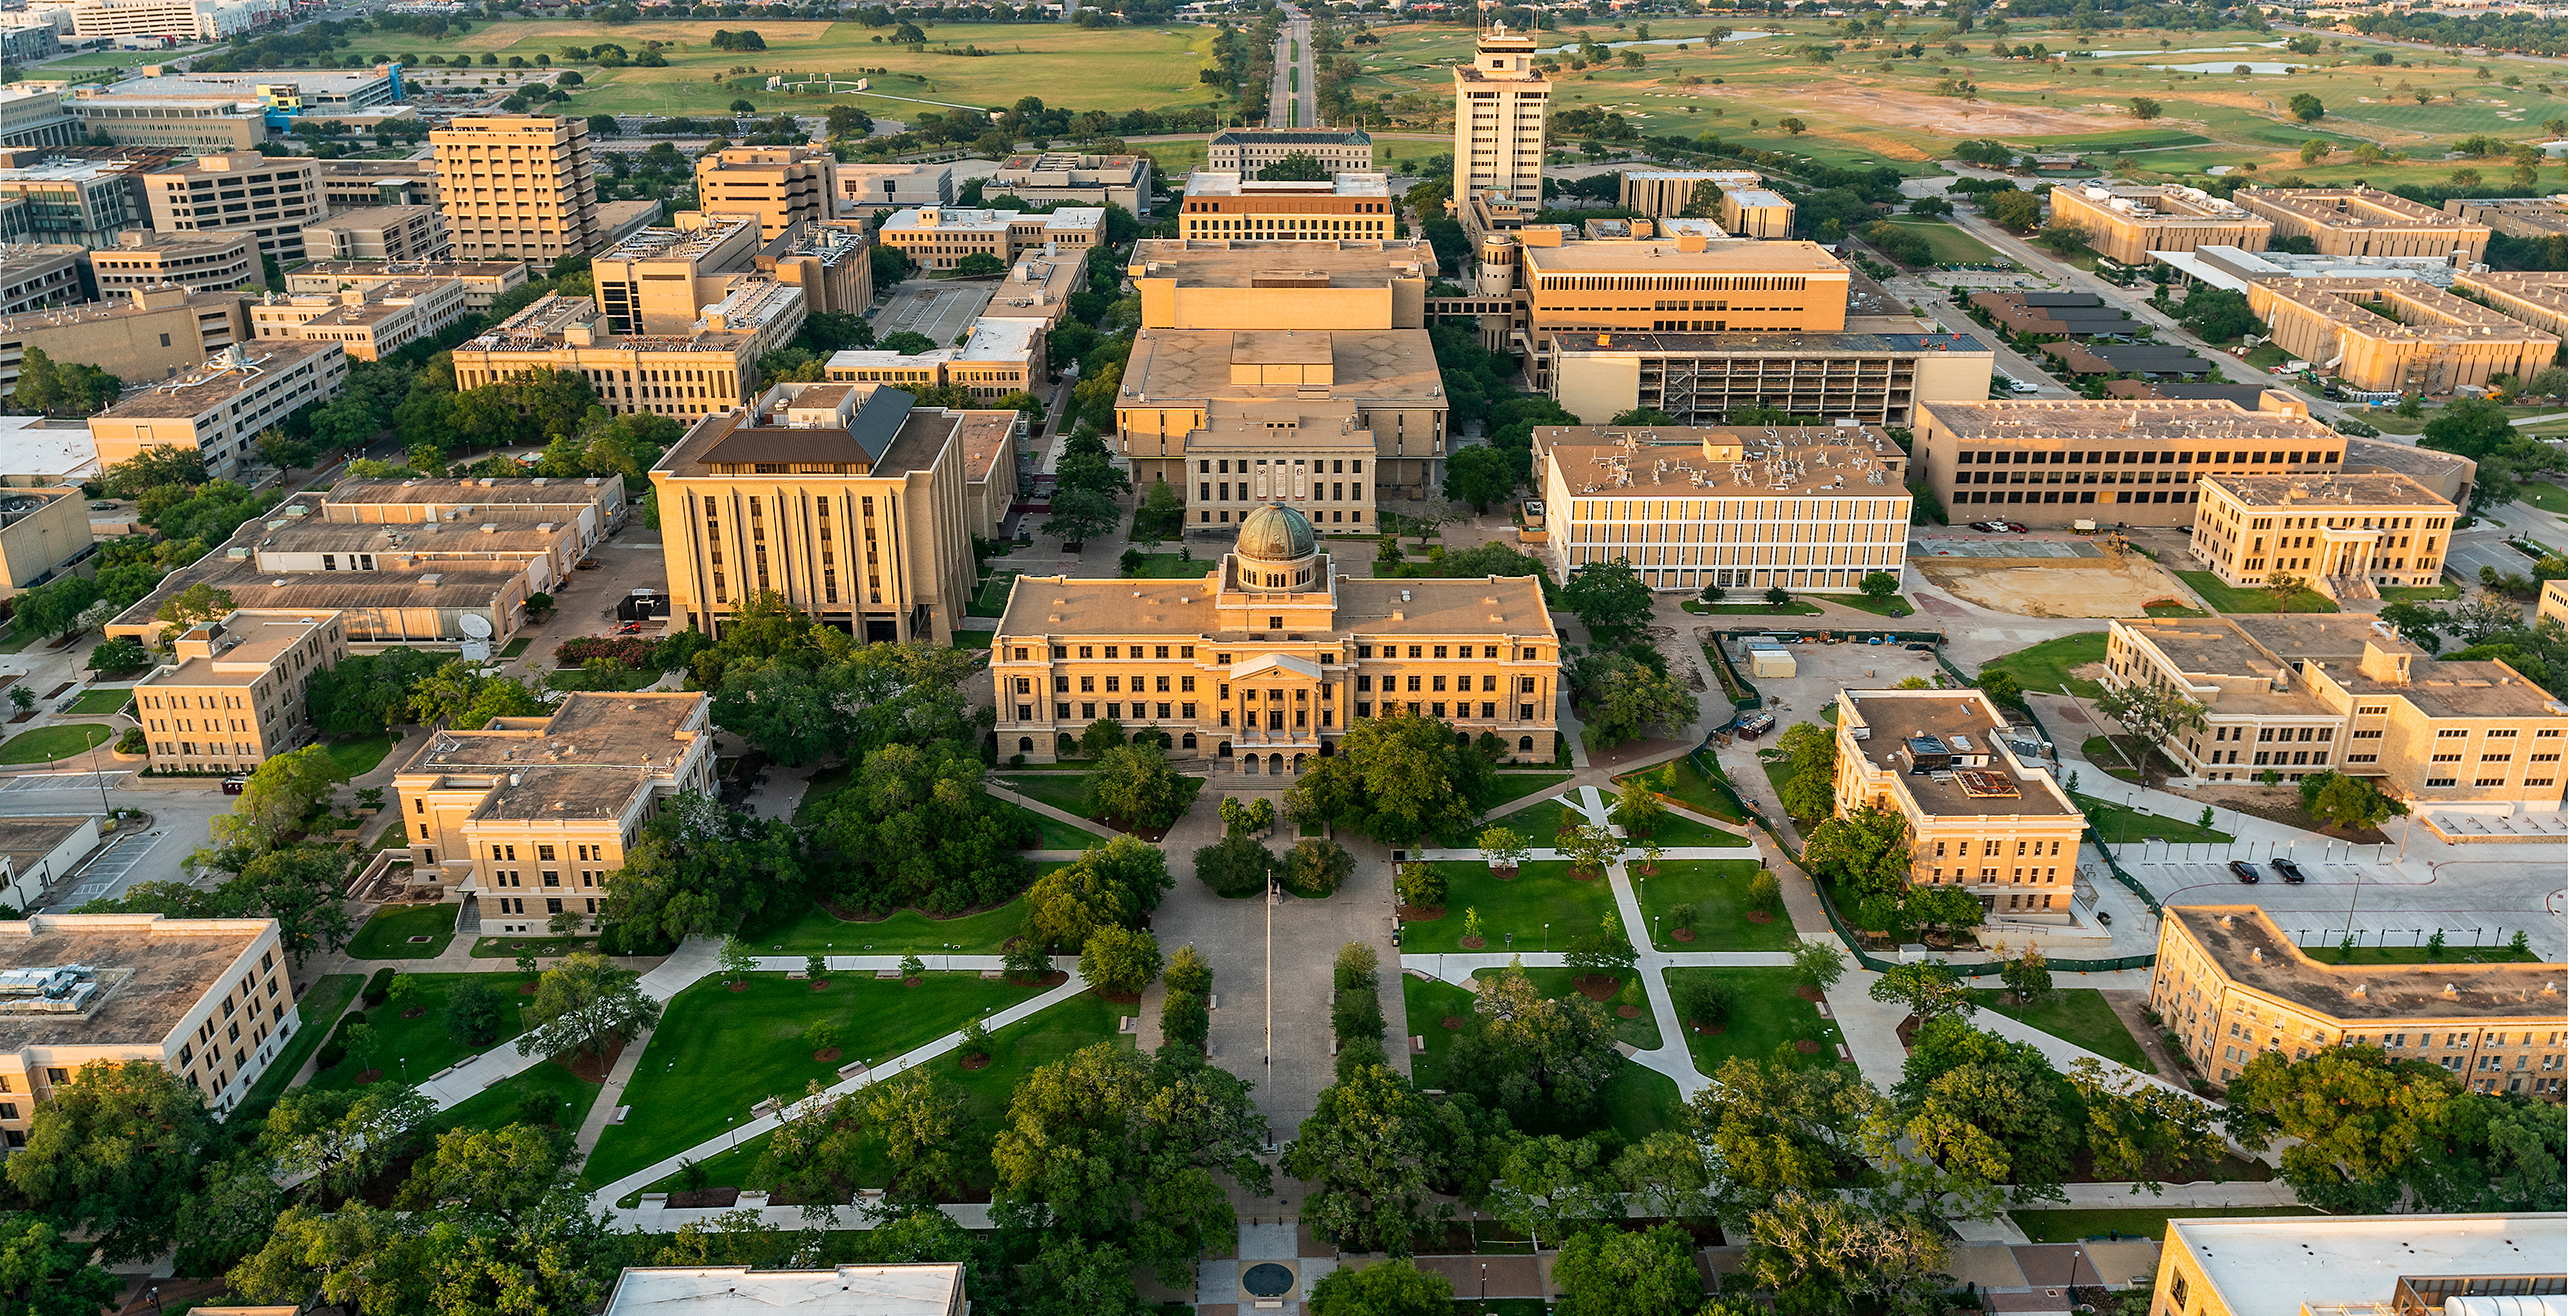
66	781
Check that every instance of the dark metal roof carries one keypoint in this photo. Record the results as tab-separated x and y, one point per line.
868	435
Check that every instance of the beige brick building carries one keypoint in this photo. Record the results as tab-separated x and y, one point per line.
2397	335
210	1000
1001	357
378	233
1228	206
2361	221
2048	462
270	197
526	818
144	335
44	530
1248	150
654	281
219	408
2296	693
369	324
2232	986
233	696
2127	223
1665	193
1271	655
1058	177
1811	510
1502	106
939	237
209	262
848	501
517	187
782	185
2516	217
483	281
2387	1265
682	376
832	264
2536	297
1308	285
2347	535
1978	817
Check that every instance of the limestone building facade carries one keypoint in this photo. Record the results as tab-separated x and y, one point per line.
1979	817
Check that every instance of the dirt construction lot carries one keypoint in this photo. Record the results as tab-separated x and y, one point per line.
2114	585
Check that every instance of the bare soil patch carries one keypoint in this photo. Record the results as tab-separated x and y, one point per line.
1683	934
825	1055
1627	1012
2073	587
738	986
1760	916
1806	1047
1452	1022
724	1198
1421	913
1714	1031
415	1012
528	989
2279	804
588	1068
370	1076
820	984
977	1060
1599	986
1810	994
1475	943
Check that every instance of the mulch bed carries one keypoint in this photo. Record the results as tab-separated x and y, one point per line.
1810	994
913	982
525	989
1627	1012
370	1076
740	986
1582	875
825	1055
1714	1031
1759	916
1599	986
1452	1022
591	1069
1806	1047
820	984
1907	1031
1118	998
706	1197
1682	934
1047	981
1475	943
977	1060
1421	913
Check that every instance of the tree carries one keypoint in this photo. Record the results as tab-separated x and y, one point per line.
1836	1255
1620	695
300	887
2063	237
918	829
2141	1132
342	1138
1500	848
1637	806
1317	866
736	960
1119	962
113	1153
1390	1288
1543	1062
1878	584
1237	865
63	389
199	602
1592	849
1135	783
475	1011
1396	778
1604	951
916	1118
1929	990
2028	975
1479	475
2152	714
1793	126
1370	1150
1819	961
1609	599
1865	848
2342	801
2012	209
1811	748
152	468
1768	1127
44	1274
2306	108
1113	883
587	1005
698	869
1666	1175
1616	1272
2145	109
1295	167
277	798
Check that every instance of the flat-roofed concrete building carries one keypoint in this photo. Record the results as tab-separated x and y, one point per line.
44	531
2536	297
2343	691
684	376
939	237
2375	1265
197	262
1039	288
1502	107
655	281
36	118
232	695
1811	510
41	274
2349	536
2397	335
2516	217
1668	193
1756	212
181	124
2363	221
2231	986
1250	150
1978	817
619	220
1688	284
2127	223
2132	461
1700	378
1196	400
849	502
595	506
832	263
210	1000
364	184
42	452
1218	206
989	440
914	1290
782	185
1000	357
2554	602
78	194
369	324
1271	655
1056	177
1261	285
517	187
271	197
378	233
875	189
483	281
35	853
528	817
219	408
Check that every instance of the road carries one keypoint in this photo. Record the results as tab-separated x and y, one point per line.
1291	102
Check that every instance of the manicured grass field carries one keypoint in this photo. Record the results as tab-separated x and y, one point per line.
1679	781
1638	1101
1539	822
1766	1016
718	1052
1641	1030
358	755
2544	495
1514	786
322	1004
516	647
387	935
2226	598
2117	824
99	702
991	600
1543	892
1951	245
426	1043
819	932
2435	593
2043	668
1671	832
1718	890
2075	1014
542	948
1896	605
2134	1222
1778	773
501	1104
45	744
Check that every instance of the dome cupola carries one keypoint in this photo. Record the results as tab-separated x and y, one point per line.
1277	549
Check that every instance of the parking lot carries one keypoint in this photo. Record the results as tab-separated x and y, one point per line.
107	877
2000	545
2473	549
941	311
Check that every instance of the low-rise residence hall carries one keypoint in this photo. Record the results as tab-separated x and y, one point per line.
232	697
2127	223
1978	817
2232	986
2389	1265
2361	221
219	408
2397	335
1812	510
849	501
1271	655
533	813
2297	693
210	1000
2349	536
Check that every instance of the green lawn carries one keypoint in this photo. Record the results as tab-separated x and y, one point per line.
426	1043
45	744
1015	1051
1766	1015
718	1052
2117	824
573	678
387	935
969	640
2544	495
1543	892
2045	667
1539	822
358	755
2436	593
2132	1222
1638	1101
1641	1030
500	1104
1680	782
1896	605
819	932
1514	786
1796	608
1950	245
1718	890
2073	1014
509	948
98	702
2225	598
1069	794
2452	954
1672	831
1778	773
18	640
320	1007
516	647
1052	833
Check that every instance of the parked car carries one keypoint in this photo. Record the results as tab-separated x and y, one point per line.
2018	527
1918	646
629	628
1989	527
235	785
2246	871
2291	872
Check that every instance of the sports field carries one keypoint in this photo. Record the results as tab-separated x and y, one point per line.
1122	68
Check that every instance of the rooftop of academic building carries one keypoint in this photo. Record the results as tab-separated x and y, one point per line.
1220	263
1724	462
2250	950
151	970
2180	419
2320	491
1894	723
584	760
208	386
1204	183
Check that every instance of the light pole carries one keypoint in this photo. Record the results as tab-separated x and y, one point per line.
98	773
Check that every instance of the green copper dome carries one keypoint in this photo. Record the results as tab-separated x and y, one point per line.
1274	533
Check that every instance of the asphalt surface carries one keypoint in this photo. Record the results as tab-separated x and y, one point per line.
1288	107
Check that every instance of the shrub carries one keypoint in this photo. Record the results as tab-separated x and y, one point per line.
1681	918
1420	885
1185	1020
133	742
631	650
1706	1000
331	1053
1356	1016
378	988
1765	891
1357	966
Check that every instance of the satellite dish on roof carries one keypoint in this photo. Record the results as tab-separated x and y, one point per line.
475	625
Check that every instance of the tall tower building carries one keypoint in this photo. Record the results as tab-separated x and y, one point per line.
517	187
1499	101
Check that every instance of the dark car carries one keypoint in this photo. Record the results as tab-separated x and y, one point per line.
1918	646
2291	872
1989	527
2246	871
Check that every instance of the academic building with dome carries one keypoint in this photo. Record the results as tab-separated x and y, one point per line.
1268	657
